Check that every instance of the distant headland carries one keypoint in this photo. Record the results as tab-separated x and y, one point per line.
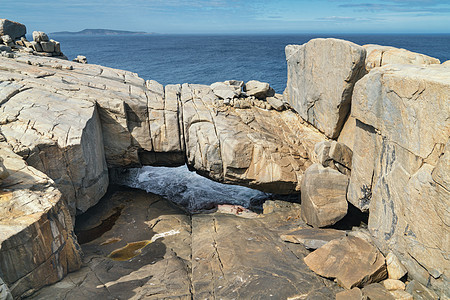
103	32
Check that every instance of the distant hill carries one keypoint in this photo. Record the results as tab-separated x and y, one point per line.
101	32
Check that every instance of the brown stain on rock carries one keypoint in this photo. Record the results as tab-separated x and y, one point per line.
130	251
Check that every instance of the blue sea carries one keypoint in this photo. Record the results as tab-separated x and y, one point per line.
206	59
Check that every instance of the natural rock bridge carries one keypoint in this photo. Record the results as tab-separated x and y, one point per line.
64	124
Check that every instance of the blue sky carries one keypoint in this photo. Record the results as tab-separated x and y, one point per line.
233	16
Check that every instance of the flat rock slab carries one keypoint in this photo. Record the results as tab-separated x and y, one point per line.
159	270
312	238
218	255
352	261
376	291
234	258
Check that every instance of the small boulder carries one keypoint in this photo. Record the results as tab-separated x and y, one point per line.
260	90
48	47
276	103
13	29
40	36
419	292
323	196
376	291
312	238
5	48
353	294
7	40
80	59
352	261
395	268
393	284
225	91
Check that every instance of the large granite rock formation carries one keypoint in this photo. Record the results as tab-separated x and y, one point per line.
74	121
321	76
14	29
37	243
400	164
54	132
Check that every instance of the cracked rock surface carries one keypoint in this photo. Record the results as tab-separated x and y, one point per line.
213	256
37	243
400	154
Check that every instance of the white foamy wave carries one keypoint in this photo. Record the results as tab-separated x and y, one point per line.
188	188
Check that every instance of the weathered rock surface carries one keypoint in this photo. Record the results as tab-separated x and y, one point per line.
347	135
227	90
3	172
419	292
402	136
5	293
146	123
351	260
14	29
212	256
157	270
57	134
395	268
378	56
260	90
353	294
40	36
401	295
376	291
312	238
321	77
266	150
72	121
37	244
323	196
276	103
393	284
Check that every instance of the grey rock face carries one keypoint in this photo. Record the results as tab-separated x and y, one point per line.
321	77
402	129
13	29
323	196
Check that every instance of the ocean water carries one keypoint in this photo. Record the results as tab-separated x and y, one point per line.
206	59
187	188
